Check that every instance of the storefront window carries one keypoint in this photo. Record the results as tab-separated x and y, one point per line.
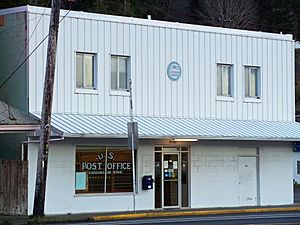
103	170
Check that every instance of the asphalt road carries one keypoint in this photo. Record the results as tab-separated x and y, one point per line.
291	218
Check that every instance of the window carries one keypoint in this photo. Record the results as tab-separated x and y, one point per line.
103	170
119	73
298	167
85	70
224	80
25	151
252	84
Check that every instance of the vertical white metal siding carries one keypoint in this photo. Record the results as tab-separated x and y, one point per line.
151	47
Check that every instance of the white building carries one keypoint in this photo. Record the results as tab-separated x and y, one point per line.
296	162
230	91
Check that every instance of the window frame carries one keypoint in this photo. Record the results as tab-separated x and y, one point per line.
247	96
230	96
106	150
83	88
298	167
120	91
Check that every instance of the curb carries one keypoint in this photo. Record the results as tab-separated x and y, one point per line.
191	213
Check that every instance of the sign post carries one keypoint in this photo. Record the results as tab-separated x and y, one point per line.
132	141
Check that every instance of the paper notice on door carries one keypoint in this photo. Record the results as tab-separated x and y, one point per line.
166	164
175	166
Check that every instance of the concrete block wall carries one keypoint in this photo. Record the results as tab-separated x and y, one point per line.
145	198
213	182
60	191
213	176
276	174
215	173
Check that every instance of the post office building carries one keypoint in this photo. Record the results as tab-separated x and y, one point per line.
214	109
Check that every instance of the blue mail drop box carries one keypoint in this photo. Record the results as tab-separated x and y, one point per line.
147	182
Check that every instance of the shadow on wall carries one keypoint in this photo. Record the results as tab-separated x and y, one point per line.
296	193
11	146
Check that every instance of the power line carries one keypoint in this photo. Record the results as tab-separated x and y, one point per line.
27	43
23	62
43	13
32	33
10	76
8	29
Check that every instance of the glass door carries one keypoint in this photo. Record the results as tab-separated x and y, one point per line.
171	177
170	180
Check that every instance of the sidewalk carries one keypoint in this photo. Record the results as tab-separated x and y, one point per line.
196	212
20	220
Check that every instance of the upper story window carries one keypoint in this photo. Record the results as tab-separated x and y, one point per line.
85	70
298	167
119	73
252	82
224	80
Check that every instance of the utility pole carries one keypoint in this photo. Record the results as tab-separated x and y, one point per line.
45	129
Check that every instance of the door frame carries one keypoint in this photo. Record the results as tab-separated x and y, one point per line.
257	156
178	180
177	149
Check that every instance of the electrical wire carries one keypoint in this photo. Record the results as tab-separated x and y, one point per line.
60	22
14	72
8	29
27	44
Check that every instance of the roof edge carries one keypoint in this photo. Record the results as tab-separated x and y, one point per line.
19	127
18	9
150	22
200	138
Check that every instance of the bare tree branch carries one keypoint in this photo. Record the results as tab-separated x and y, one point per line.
240	14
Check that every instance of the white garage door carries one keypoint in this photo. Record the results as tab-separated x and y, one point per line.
247	181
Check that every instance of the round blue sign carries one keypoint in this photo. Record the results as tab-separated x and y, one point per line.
174	71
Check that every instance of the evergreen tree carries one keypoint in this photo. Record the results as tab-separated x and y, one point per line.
277	16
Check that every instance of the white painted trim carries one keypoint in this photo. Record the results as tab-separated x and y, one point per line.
119	93
225	98
102	194
252	100
14	10
169	138
86	91
19	127
256	99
